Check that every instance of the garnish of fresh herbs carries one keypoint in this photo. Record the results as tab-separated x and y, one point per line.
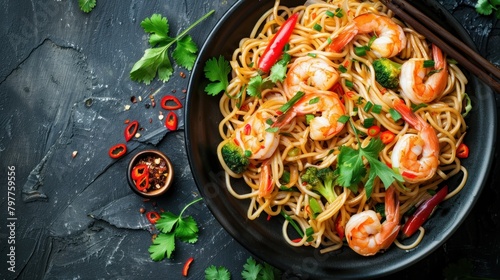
172	227
86	5
216	71
352	171
488	7
155	60
252	270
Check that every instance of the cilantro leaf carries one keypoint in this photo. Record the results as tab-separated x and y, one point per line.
87	5
185	52
163	245
257	84
216	71
217	273
170	227
187	230
158	27
352	170
269	273
251	269
155	60
484	7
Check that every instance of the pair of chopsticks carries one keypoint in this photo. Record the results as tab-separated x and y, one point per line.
449	44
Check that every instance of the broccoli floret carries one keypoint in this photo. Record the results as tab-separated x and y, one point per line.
234	157
387	72
321	181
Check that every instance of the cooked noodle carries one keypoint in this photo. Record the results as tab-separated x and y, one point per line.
297	151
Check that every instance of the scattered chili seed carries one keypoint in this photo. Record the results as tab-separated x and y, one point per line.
142	210
150	120
127	107
160	117
140	98
137	135
127	121
133	99
182	74
184	90
73	155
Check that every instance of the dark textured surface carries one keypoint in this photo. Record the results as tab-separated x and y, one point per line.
76	217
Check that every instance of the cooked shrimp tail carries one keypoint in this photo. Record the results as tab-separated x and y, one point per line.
364	232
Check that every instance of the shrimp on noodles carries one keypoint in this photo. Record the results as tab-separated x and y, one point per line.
329	109
364	232
252	136
415	155
308	73
423	84
390	39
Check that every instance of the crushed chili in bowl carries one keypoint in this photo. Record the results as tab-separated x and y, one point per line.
150	173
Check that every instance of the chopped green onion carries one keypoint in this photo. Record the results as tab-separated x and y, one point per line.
468	105
415	107
317	27
343	119
395	115
368	122
342	69
285	107
293	223
429	63
272	129
309	118
248	153
368	106
361	51
269	122
314	100
309	233
285	178
329	13
349	84
339	12
360	100
372	39
312	54
377	108
329	40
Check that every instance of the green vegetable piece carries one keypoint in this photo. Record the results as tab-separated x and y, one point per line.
87	5
387	72
163	246
217	273
217	71
234	157
321	181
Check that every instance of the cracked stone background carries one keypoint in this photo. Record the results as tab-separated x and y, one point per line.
64	83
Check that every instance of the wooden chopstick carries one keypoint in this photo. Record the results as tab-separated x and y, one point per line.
449	44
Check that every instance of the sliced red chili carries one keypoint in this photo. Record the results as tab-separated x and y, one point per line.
423	212
170	102
171	121
373	131
339	227
387	136
462	151
153	216
131	130
275	48
142	184
185	268
247	129
139	171
117	151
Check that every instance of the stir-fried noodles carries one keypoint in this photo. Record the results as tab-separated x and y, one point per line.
339	113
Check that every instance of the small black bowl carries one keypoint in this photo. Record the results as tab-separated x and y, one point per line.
155	192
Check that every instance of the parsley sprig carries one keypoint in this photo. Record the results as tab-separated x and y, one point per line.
487	7
173	226
155	59
87	5
217	70
352	171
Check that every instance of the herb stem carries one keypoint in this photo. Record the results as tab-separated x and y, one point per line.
189	204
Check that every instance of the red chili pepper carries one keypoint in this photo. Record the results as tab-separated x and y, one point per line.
462	151
153	216
339	227
117	151
167	100
171	121
423	212
139	171
247	129
131	130
275	48
373	131
185	269
142	184
387	136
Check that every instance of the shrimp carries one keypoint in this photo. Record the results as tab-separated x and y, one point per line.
390	39
252	136
416	156
417	85
364	233
308	73
329	109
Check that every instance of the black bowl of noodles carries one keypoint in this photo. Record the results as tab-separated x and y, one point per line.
263	237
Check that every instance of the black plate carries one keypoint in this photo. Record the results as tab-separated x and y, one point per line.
263	238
